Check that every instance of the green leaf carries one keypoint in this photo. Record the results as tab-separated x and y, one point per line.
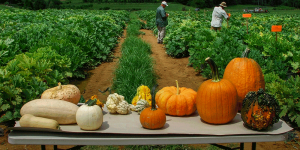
82	100
8	116
17	114
297	120
1	101
5	107
69	74
295	65
283	112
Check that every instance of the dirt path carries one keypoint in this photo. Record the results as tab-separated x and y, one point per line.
169	69
101	77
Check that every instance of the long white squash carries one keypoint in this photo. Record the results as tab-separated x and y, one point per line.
62	111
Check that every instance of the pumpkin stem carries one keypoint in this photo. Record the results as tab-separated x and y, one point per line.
177	87
59	86
153	97
214	69
107	89
91	102
245	53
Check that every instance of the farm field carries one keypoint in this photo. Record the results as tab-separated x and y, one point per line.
86	44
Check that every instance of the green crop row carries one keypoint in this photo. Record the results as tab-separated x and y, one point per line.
86	37
135	67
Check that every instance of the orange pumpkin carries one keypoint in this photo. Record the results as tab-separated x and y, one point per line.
176	101
69	93
152	117
245	74
216	98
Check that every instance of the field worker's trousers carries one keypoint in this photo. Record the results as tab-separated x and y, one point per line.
161	34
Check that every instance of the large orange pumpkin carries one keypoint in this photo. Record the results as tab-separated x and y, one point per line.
152	117
176	101
216	98
245	74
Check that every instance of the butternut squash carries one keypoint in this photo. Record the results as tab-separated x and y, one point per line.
62	111
29	120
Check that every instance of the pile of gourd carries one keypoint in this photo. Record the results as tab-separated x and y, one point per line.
217	102
58	105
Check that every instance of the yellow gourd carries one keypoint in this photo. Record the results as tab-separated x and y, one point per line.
143	92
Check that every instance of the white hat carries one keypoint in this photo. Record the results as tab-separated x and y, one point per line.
223	4
164	2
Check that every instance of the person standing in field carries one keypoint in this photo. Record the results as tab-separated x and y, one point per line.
161	21
217	16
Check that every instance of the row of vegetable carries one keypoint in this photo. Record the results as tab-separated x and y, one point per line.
189	35
38	49
216	102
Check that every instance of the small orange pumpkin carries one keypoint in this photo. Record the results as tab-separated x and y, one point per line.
176	101
69	93
245	74
216	98
153	118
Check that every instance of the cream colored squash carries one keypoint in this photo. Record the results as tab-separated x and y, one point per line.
68	93
89	117
140	106
115	103
29	120
62	111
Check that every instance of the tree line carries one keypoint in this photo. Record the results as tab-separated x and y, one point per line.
34	4
209	3
43	4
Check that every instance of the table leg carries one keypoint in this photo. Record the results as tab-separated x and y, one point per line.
55	147
43	147
241	146
253	145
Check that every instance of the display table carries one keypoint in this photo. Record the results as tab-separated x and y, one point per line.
51	138
127	130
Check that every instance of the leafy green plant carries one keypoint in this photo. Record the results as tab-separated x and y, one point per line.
288	95
86	37
27	76
177	42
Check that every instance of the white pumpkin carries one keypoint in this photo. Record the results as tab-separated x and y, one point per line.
89	117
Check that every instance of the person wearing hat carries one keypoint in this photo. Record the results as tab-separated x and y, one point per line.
217	16
161	21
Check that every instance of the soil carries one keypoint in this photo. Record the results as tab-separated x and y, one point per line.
167	68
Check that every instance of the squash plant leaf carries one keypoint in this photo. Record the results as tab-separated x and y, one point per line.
8	116
283	112
5	107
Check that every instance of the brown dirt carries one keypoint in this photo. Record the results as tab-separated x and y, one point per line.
168	69
101	77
